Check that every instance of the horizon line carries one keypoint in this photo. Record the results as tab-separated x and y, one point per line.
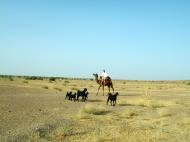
86	78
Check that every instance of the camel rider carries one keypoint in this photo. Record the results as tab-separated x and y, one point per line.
103	76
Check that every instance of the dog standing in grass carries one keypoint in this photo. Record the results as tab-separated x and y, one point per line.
70	96
83	94
67	97
112	98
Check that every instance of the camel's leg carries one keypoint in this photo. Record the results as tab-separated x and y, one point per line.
103	89
109	88
98	90
112	88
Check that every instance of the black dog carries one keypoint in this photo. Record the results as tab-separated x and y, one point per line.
68	95
73	97
112	98
83	94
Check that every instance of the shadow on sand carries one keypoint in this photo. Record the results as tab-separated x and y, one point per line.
125	104
95	100
131	94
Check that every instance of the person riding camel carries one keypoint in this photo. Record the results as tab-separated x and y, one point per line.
104	76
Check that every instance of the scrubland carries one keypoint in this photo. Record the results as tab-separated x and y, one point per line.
146	111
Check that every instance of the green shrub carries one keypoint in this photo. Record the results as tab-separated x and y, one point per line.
188	83
66	81
52	79
34	78
11	79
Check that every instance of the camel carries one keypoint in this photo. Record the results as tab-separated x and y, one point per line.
107	82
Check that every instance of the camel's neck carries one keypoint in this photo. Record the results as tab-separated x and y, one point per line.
96	78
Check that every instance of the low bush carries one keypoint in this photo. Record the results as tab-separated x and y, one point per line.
74	89
33	78
94	109
59	89
52	79
66	81
45	87
11	79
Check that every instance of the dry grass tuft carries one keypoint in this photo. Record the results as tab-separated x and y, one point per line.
74	88
149	103
124	103
45	87
164	113
66	81
128	114
188	83
25	81
59	89
49	132
94	109
11	79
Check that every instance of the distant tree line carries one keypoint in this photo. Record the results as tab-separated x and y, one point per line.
51	79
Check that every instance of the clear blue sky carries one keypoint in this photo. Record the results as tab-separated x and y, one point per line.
131	39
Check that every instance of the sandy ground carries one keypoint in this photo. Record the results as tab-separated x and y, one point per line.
145	111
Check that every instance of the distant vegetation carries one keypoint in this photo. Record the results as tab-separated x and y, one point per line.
6	76
188	83
41	78
34	78
11	79
52	79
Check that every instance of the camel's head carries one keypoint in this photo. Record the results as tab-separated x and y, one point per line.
95	75
116	93
85	89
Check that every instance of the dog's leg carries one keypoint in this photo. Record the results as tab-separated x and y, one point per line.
107	101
